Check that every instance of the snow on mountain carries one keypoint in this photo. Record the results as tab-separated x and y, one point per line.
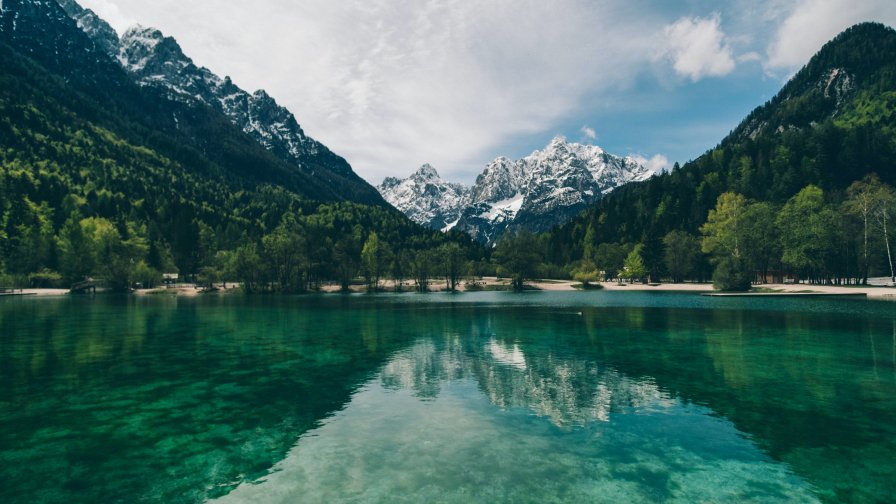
540	191
155	60
426	198
502	179
100	32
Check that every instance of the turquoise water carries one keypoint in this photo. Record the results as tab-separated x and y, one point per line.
480	397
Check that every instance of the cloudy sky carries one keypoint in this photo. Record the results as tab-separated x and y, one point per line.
393	84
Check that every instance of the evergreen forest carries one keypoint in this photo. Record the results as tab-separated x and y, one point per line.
801	189
103	179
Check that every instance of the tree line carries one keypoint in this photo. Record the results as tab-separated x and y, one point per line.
119	196
814	237
817	237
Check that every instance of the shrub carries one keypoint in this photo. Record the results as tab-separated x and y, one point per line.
45	279
732	275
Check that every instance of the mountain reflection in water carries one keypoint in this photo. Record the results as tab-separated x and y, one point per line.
478	397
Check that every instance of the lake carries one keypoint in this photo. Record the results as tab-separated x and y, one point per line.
477	397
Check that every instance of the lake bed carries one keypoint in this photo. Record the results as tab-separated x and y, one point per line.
475	397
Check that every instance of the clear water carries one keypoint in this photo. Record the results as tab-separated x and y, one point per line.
481	397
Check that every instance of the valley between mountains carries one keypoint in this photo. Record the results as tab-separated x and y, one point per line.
121	159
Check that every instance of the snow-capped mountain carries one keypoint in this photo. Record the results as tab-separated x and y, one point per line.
426	198
103	35
152	59
157	60
540	191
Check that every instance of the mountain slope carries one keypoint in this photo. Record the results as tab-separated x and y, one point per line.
44	32
158	61
84	146
427	199
535	193
544	189
830	125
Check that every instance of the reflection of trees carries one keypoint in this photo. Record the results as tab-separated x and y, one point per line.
217	388
70	339
212	389
814	388
807	385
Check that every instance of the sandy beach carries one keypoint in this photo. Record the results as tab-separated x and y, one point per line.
37	292
492	283
874	292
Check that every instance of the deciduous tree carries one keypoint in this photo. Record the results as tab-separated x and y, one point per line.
375	258
682	251
807	233
634	268
722	230
452	260
518	255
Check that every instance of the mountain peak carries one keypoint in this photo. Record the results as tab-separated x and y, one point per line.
147	51
561	147
860	55
427	172
151	59
139	34
537	192
103	35
262	95
426	198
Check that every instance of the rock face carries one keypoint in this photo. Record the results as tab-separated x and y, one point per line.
535	193
154	60
426	198
96	28
43	30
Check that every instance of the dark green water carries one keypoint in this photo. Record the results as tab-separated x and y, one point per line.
486	397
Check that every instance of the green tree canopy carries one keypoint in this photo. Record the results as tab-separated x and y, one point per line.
375	259
454	264
682	251
807	230
610	258
722	230
634	267
518	255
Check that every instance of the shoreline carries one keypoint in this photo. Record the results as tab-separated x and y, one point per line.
494	284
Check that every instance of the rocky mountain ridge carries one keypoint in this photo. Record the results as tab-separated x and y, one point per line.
155	60
426	198
534	193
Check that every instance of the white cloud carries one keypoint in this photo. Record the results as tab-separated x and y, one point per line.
750	56
697	47
589	133
391	84
811	23
110	12
655	164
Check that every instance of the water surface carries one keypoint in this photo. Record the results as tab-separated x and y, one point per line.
481	397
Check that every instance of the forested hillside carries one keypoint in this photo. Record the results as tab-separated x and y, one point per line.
101	177
830	126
